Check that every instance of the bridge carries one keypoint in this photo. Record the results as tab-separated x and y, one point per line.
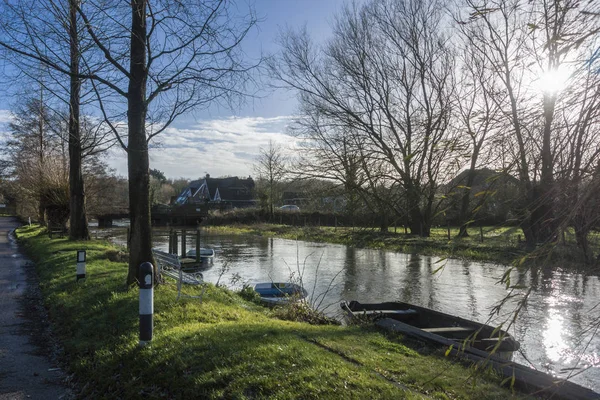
161	215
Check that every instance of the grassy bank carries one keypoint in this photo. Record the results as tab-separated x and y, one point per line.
500	245
224	347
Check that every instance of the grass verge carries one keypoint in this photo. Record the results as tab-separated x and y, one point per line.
224	347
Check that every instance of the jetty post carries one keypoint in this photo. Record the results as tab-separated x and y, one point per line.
198	245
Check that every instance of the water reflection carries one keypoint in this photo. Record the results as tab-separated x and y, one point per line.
554	328
553	341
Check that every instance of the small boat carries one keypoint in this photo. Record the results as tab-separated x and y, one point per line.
205	253
278	293
436	326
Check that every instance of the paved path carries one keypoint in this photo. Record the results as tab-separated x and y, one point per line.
25	369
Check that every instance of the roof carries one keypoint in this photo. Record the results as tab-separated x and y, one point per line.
218	189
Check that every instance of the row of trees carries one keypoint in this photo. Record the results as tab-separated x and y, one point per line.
407	94
404	96
36	160
137	66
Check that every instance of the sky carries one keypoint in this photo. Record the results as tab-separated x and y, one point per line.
224	142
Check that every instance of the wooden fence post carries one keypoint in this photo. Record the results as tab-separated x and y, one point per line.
198	245
175	243
183	243
481	232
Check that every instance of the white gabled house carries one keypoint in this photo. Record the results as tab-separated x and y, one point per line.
232	191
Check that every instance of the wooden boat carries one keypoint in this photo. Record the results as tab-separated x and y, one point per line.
204	253
437	326
193	263
279	293
390	316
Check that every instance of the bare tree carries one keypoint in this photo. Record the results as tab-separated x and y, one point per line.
578	150
47	34
328	152
521	43
146	62
78	217
37	157
271	167
387	75
165	58
476	117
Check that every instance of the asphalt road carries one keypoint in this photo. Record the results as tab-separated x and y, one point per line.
26	369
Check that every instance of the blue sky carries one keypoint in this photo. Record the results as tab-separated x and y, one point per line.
220	141
223	142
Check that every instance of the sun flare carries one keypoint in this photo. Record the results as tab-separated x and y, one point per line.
553	81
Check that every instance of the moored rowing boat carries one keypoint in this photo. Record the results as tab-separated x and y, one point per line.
279	293
430	324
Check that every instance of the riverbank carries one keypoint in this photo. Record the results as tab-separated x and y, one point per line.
224	346
490	244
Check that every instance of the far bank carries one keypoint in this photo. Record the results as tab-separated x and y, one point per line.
503	245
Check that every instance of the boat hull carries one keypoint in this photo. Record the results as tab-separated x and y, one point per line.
204	253
279	293
430	324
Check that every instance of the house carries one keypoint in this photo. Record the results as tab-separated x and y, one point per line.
493	196
231	192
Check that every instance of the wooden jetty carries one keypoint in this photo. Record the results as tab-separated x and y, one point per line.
180	236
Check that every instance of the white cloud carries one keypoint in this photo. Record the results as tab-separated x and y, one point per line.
5	116
226	146
219	147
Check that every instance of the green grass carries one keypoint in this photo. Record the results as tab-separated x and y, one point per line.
224	347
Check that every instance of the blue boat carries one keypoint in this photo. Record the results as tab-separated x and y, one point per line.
278	293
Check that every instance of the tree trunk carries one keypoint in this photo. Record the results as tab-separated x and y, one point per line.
271	199
41	211
543	212
417	222
581	235
529	233
137	149
465	201
384	222
78	225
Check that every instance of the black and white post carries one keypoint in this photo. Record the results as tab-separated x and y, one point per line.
80	264
146	281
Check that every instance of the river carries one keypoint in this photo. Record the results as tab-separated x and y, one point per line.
558	328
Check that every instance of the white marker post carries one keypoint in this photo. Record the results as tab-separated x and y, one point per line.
80	264
146	281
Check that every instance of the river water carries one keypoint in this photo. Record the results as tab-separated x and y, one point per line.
559	328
